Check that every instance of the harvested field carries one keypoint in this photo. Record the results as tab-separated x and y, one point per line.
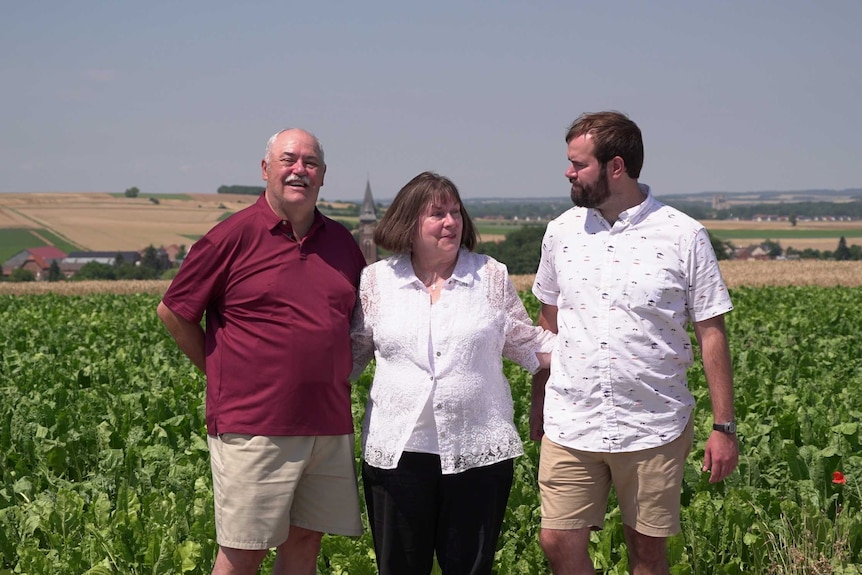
755	273
496	238
815	235
85	287
736	273
103	222
108	222
12	219
819	273
99	221
779	226
109	227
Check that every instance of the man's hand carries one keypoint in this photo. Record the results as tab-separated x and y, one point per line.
537	422
548	321
537	405
721	452
189	336
720	455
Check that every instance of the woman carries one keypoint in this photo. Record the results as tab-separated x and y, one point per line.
438	438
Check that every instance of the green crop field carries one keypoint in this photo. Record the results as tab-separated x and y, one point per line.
494	228
105	466
15	240
790	233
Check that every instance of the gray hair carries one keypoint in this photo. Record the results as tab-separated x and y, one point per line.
272	139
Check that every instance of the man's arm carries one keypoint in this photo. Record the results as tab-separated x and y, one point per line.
547	320
721	452
189	336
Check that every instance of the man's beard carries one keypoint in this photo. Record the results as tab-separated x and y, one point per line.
594	195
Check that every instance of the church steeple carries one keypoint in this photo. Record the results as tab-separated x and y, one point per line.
367	223
368	213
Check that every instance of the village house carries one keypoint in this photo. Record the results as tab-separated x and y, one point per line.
752	252
36	260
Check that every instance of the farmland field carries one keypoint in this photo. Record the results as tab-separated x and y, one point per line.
750	273
106	222
105	465
159	197
495	230
816	235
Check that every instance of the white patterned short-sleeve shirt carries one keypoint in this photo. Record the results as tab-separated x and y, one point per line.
625	294
442	364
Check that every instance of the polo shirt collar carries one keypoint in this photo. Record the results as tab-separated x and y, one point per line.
272	220
269	217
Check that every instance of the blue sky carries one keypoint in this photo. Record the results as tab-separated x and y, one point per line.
180	97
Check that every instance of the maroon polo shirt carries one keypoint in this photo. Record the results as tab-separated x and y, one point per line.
277	322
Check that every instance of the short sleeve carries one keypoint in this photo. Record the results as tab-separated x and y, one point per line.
201	278
708	295
545	286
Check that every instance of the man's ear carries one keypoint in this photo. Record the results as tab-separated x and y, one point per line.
617	167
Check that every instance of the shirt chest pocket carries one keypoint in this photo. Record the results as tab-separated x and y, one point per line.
649	288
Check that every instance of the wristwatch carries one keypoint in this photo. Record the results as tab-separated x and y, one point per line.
729	427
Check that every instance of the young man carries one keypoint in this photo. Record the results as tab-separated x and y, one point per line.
277	282
621	275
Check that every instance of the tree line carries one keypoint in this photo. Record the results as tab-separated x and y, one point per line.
793	211
153	265
245	190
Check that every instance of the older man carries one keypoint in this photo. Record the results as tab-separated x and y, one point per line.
277	282
621	275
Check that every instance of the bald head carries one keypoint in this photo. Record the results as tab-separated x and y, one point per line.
267	155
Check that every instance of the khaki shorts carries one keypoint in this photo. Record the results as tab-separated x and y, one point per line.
575	485
264	484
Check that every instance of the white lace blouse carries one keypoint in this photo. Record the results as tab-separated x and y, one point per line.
441	365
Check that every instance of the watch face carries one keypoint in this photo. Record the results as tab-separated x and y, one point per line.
729	427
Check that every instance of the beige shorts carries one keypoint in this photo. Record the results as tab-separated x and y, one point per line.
575	485
264	484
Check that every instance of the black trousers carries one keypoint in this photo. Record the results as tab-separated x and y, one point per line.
415	511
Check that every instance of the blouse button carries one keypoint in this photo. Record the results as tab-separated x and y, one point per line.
438	354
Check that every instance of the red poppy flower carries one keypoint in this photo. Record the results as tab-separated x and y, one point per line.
838	478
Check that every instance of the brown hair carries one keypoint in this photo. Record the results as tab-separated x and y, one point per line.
397	227
613	134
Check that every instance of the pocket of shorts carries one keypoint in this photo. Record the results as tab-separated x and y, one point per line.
235	438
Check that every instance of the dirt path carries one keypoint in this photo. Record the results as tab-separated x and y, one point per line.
41	237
